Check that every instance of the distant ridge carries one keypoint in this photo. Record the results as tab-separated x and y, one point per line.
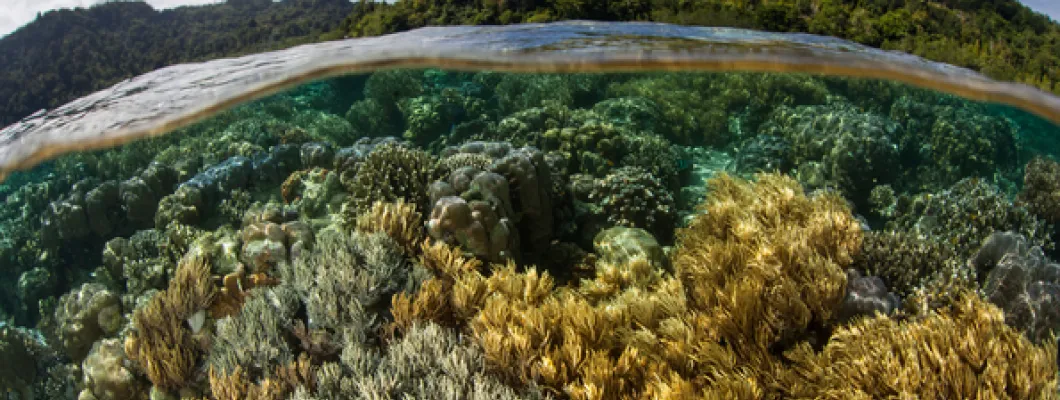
66	54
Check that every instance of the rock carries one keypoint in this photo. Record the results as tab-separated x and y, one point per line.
621	244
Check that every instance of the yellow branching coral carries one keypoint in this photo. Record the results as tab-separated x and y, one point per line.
764	260
398	220
965	352
756	277
283	381
161	341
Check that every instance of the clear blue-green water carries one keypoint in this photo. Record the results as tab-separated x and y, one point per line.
732	234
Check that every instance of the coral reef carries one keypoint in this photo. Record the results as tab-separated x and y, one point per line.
494	213
105	375
866	296
19	369
391	172
1021	281
783	253
962	352
266	244
633	197
161	341
428	362
1041	189
903	260
517	244
621	245
857	150
398	220
254	340
86	315
955	140
963	215
758	269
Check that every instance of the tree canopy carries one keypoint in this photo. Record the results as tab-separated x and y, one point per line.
1000	38
69	53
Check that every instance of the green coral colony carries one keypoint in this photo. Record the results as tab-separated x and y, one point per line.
481	235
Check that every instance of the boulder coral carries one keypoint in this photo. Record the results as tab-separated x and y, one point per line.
498	211
86	315
106	376
1019	279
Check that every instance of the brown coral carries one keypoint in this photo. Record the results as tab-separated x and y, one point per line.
234	290
398	220
284	380
964	352
758	277
161	342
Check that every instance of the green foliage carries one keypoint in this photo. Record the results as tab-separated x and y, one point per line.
1001	38
69	53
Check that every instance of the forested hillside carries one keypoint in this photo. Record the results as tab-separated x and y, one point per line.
69	53
1000	38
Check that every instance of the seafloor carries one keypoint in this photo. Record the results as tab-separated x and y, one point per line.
451	235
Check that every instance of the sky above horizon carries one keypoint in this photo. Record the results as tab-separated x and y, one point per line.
21	12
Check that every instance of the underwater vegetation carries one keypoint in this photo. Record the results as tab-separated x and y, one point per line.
458	235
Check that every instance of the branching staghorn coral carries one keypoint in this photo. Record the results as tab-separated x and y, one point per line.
161	341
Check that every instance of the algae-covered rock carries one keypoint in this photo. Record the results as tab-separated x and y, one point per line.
620	245
18	371
85	315
106	374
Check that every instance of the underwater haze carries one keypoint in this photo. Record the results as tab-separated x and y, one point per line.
568	211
